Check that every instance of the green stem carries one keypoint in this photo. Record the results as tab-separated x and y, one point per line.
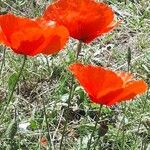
44	108
92	134
49	70
3	60
129	59
122	120
143	109
47	125
65	125
97	142
123	127
13	89
48	66
125	105
79	47
125	2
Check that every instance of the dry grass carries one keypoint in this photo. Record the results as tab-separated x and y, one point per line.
52	84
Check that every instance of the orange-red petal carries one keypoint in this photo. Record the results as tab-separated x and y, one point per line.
84	19
123	94
107	87
27	41
125	76
107	99
31	36
130	91
10	23
96	81
3	39
56	38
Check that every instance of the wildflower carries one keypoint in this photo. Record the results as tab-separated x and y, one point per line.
85	19
105	86
31	36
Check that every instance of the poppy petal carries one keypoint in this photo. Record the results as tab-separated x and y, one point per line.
3	39
84	19
96	80
10	23
56	38
27	42
107	99
31	36
105	86
131	90
125	76
123	94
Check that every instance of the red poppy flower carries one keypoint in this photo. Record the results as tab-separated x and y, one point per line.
85	19
105	86
30	37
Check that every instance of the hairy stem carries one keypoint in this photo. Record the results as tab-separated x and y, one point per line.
13	88
125	105
123	127
79	47
140	122
92	134
3	60
47	125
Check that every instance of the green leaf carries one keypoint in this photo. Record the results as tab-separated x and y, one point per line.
12	129
11	81
33	124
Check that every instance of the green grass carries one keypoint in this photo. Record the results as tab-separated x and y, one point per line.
51	84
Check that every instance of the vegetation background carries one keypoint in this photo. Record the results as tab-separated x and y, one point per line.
46	80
